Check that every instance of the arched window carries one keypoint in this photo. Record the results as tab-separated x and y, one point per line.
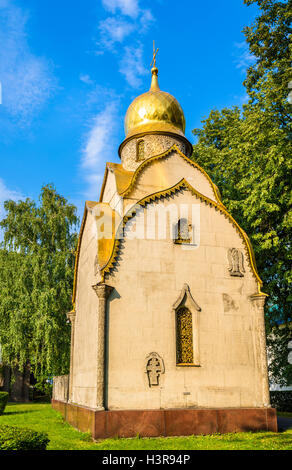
184	336
182	232
140	154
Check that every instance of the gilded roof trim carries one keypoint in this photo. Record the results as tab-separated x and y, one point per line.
218	206
125	180
122	176
150	160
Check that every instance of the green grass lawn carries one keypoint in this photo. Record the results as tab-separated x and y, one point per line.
41	417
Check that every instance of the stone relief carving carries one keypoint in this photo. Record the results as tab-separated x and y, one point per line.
154	368
229	303
235	258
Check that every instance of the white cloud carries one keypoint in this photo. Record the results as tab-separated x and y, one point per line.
127	7
86	79
244	58
239	100
146	19
99	147
113	30
27	81
131	65
6	194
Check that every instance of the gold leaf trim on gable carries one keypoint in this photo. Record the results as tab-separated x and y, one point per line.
150	160
123	177
125	180
168	192
105	246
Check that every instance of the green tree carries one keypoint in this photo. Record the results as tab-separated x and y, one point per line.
247	152
36	277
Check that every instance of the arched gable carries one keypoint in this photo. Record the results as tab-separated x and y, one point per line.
168	192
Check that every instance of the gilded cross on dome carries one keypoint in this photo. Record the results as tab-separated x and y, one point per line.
154	55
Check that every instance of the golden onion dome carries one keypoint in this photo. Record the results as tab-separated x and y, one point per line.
154	111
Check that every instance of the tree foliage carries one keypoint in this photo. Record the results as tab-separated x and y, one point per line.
247	152
36	277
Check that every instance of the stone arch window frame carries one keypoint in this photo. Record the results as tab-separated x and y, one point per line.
138	143
186	300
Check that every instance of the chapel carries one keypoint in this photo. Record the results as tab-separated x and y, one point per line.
168	330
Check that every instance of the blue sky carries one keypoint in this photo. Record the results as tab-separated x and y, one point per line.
70	69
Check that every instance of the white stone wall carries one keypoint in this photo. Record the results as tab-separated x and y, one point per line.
84	381
61	388
148	281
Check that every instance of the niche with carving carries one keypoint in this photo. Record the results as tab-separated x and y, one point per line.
154	368
235	258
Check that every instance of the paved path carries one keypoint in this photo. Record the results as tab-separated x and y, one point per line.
284	423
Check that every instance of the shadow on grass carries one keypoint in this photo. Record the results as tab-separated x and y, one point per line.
6	413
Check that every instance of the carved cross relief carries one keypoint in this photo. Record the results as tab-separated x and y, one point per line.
154	368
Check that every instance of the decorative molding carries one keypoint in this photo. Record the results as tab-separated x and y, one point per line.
185	303
259	300
102	290
170	134
71	316
186	298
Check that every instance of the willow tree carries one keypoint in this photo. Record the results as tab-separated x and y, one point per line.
36	277
248	153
